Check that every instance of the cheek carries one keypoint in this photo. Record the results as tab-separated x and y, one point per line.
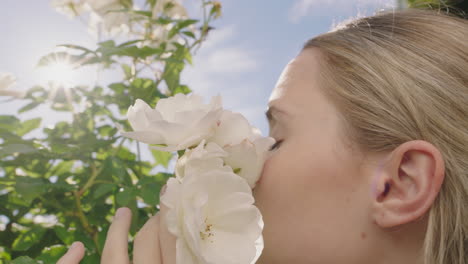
310	188
291	176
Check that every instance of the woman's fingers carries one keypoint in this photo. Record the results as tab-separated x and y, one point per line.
116	246
146	248
166	239
74	254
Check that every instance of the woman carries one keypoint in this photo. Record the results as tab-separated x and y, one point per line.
371	159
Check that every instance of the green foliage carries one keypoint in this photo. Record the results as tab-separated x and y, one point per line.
80	170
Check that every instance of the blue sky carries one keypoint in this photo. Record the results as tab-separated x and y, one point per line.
241	59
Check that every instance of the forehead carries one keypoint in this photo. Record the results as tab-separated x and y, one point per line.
297	86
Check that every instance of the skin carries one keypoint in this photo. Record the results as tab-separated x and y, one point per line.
153	244
325	202
322	201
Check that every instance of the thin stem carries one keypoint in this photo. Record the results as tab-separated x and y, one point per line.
101	181
204	30
139	158
95	172
80	214
90	182
84	221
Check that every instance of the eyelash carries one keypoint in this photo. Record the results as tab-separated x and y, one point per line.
277	144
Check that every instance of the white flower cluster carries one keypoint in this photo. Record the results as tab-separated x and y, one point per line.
7	80
211	207
109	15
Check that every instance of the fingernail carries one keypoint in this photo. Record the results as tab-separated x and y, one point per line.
74	245
120	212
163	190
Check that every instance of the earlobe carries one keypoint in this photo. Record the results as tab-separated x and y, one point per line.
409	183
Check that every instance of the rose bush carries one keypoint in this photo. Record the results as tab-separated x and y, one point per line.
62	182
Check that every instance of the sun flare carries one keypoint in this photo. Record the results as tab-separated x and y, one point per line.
59	73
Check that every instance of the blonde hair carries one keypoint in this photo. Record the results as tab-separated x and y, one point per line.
402	75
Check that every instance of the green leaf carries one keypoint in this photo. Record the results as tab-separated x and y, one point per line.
119	171
30	188
131	42
134	51
4	255
107	44
81	235
118	87
184	89
64	234
172	74
15	200
29	106
28	126
180	25
52	254
141	88
10	149
107	130
55	57
126	154
8	122
103	189
189	33
124	197
25	240
91	259
76	47
162	157
186	23
64	167
144	13
149	190
127	71
24	260
102	236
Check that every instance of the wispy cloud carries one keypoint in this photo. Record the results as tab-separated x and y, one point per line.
220	63
224	65
303	8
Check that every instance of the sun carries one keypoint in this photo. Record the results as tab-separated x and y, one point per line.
60	73
58	70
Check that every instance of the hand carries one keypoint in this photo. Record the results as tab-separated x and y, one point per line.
153	243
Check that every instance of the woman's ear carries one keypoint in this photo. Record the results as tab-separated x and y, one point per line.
408	184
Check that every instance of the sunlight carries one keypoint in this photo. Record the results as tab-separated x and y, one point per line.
59	74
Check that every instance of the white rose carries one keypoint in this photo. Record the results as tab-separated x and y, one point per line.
247	149
233	128
116	23
201	159
172	8
160	35
214	219
179	122
7	80
70	8
107	13
103	6
248	157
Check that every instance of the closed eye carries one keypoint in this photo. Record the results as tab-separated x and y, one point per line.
276	145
